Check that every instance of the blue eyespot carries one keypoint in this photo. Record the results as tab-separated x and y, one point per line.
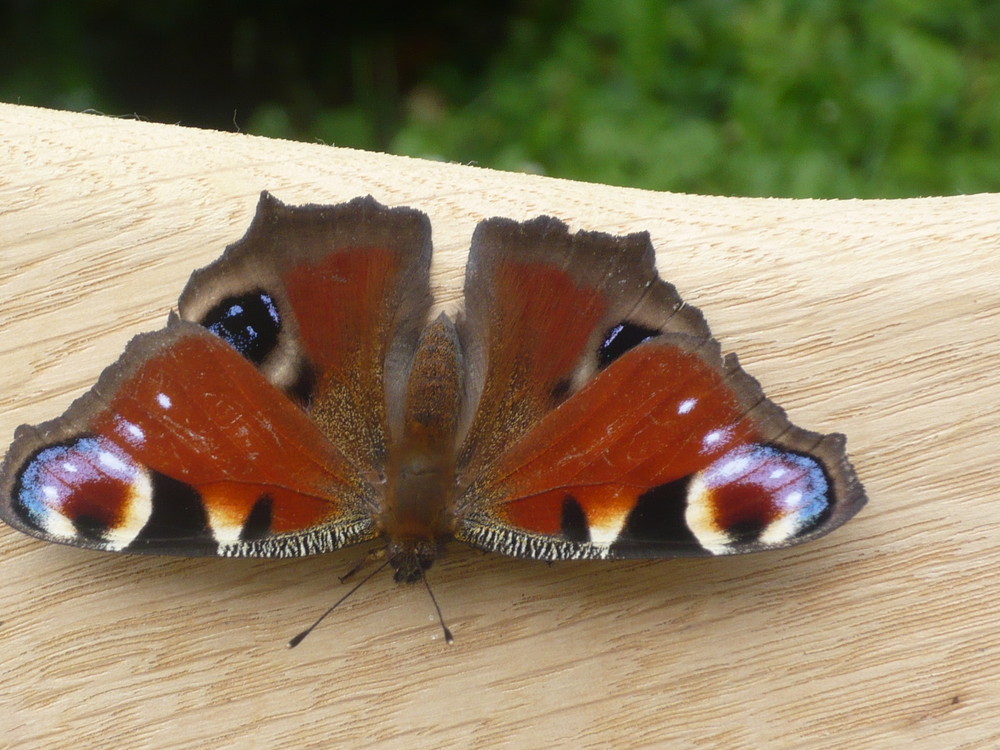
250	323
620	339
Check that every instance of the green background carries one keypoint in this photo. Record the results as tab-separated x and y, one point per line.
877	98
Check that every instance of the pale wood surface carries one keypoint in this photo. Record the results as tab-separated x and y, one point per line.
879	319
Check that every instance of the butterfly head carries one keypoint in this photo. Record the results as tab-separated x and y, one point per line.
411	557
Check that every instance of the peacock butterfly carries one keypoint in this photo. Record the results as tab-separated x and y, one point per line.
301	400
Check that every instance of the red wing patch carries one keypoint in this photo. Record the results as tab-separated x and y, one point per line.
665	452
190	450
536	337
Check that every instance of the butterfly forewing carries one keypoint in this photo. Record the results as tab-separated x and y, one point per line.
172	452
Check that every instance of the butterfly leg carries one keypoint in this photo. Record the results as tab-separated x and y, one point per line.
377	553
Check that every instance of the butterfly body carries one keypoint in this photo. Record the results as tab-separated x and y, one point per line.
421	482
302	400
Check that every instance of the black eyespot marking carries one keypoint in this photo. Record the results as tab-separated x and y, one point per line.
178	516
302	389
90	527
620	339
658	518
258	523
250	323
746	532
559	391
85	480
574	521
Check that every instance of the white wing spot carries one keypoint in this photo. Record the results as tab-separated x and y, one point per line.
686	405
713	437
735	466
112	461
792	499
607	532
164	400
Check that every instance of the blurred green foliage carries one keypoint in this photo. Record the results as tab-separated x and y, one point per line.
828	98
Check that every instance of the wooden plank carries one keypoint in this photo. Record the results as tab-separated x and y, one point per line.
880	319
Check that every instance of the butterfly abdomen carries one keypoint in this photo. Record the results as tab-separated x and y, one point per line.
421	469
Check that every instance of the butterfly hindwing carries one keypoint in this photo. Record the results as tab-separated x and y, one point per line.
328	302
532	316
650	444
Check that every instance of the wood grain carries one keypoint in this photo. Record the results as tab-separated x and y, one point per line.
879	319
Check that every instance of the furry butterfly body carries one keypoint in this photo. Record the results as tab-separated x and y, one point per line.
301	400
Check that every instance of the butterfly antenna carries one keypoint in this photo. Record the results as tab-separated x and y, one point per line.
449	638
301	636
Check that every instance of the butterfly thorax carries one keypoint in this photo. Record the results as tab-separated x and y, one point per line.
421	468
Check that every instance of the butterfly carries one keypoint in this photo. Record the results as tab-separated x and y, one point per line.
302	399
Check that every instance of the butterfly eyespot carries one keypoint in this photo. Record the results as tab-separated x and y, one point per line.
757	495
250	323
619	339
87	487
